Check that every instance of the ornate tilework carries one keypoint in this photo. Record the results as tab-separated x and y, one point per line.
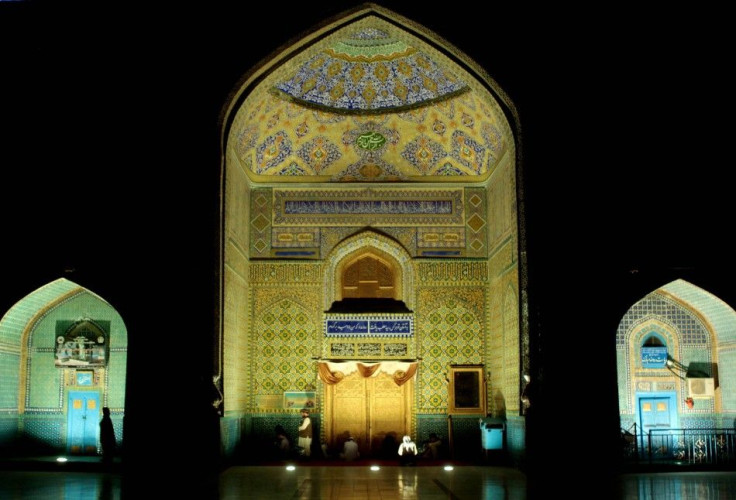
690	327
272	152
424	153
368	70
358	243
415	94
370	206
319	153
452	334
283	343
511	370
295	237
467	151
440	237
476	216
461	137
369	170
262	272
260	222
452	272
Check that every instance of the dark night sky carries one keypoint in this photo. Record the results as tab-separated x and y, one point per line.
109	162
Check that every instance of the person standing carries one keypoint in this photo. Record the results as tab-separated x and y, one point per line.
107	436
305	433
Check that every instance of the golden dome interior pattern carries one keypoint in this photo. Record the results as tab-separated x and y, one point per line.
369	102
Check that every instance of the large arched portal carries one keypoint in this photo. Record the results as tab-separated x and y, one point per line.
370	239
675	360
63	355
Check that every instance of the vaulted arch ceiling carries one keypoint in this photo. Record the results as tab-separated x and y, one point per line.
370	97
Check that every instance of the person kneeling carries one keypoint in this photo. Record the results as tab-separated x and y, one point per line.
350	450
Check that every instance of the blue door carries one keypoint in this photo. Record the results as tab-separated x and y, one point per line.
655	413
83	422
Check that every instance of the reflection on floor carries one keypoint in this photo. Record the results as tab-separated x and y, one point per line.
385	482
341	482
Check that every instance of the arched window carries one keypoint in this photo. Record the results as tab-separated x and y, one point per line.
368	277
653	351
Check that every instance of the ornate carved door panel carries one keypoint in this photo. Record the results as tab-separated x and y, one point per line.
369	409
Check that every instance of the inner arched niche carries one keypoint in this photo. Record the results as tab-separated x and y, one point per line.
368	276
348	254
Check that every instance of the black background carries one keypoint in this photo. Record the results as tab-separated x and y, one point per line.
109	169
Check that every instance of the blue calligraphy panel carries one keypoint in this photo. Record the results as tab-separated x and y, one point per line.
347	327
390	327
653	357
369	326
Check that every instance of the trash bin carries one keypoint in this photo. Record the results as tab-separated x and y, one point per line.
492	431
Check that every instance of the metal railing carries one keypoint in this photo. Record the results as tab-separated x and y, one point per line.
706	446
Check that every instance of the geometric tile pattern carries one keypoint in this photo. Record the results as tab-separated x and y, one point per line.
283	343
369	69
9	371
260	222
511	350
475	221
452	335
690	328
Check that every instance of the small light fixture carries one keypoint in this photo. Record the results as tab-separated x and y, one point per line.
290	467
61	459
449	467
375	467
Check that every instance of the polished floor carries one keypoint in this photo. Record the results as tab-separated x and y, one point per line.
351	482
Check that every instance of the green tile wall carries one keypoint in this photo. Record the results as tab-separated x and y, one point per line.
9	364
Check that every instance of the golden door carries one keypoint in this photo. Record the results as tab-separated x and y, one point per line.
369	409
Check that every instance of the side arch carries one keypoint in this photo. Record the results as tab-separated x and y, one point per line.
59	340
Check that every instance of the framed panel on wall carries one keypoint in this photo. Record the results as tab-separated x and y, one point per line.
467	390
299	399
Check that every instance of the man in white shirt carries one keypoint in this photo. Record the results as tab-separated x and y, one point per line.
305	433
407	451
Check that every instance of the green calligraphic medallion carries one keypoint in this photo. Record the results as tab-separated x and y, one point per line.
370	141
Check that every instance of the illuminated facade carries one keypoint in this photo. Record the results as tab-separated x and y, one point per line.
370	241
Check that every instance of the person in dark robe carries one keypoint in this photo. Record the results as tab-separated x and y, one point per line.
107	436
